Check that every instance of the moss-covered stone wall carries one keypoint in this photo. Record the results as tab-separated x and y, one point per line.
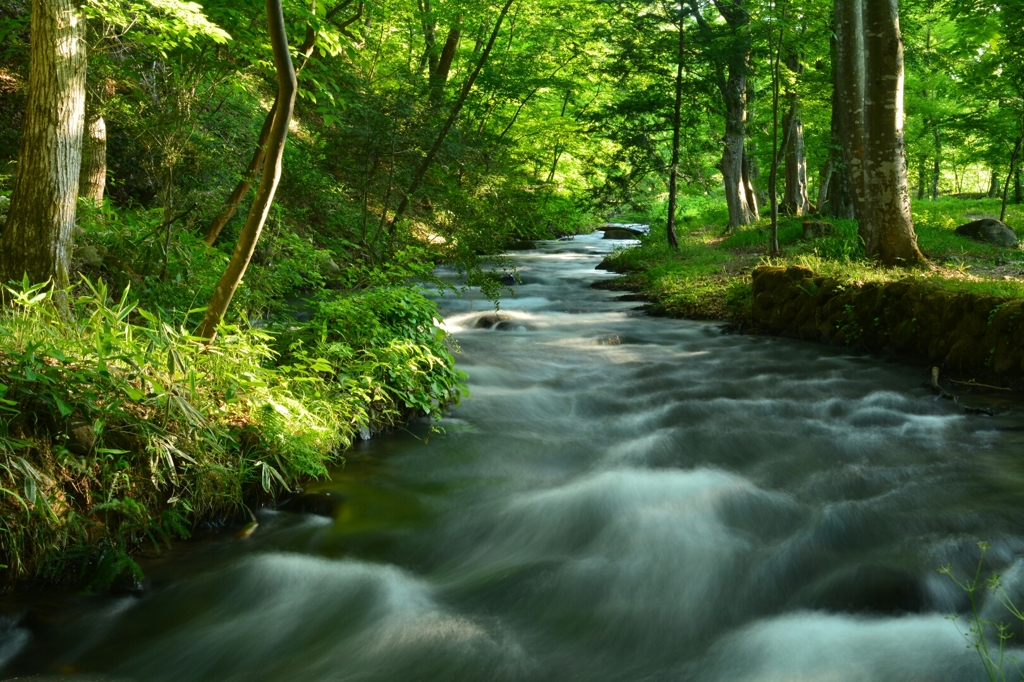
958	331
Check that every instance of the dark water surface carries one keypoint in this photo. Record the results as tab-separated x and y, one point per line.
620	498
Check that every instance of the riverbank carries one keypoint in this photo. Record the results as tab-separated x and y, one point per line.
844	297
120	431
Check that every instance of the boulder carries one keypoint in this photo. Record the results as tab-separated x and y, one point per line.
813	229
91	255
329	269
81	436
620	233
490	321
989	230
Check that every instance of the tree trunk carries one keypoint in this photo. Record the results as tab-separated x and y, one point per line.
732	167
439	76
794	196
37	238
305	51
795	201
922	171
731	79
283	106
937	164
92	177
751	173
870	44
1018	194
429	38
993	185
253	169
673	173
834	192
421	168
1013	166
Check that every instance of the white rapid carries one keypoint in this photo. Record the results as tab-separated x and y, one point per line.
620	498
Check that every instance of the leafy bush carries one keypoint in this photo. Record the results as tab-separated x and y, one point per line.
118	427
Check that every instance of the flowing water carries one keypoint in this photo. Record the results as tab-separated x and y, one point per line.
619	498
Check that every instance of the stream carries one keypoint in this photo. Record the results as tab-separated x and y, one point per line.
620	497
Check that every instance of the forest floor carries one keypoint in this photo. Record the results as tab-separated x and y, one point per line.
709	276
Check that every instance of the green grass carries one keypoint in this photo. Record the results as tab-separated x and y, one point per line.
709	275
120	430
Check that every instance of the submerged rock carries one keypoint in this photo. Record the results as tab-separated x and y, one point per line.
489	321
621	233
989	230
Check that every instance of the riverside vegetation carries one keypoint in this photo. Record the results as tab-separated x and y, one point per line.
709	275
216	214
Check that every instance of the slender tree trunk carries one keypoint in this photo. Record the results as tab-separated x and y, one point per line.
937	163
421	169
242	188
247	240
824	182
751	173
795	201
1018	194
558	141
794	197
993	185
1013	166
429	58
921	172
673	174
92	178
37	238
870	45
773	175
252	171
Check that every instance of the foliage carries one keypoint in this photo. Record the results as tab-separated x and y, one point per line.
980	630
709	272
118	428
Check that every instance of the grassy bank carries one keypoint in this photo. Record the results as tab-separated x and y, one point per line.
119	430
709	276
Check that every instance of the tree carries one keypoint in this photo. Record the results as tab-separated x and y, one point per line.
37	239
287	86
870	64
794	200
731	73
92	178
673	178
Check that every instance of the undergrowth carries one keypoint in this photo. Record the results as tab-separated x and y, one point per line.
709	275
118	428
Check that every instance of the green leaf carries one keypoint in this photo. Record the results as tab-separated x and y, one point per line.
64	408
